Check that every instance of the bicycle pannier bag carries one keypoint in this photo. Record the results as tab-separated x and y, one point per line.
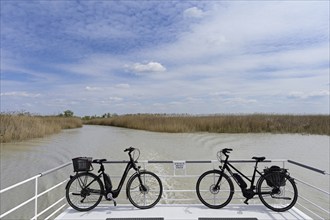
82	164
277	178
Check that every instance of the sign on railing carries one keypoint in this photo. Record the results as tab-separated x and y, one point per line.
179	167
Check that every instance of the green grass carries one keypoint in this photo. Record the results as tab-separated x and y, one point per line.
254	123
19	127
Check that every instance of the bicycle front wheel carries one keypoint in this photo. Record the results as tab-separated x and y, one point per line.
277	191
212	196
84	191
144	190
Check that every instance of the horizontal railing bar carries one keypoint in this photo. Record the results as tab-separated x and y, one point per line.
317	206
49	207
180	199
179	190
157	161
57	210
318	217
192	161
247	161
199	161
307	167
17	207
34	177
307	184
50	189
18	184
55	169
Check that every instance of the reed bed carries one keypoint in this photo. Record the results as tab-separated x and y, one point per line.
18	127
255	123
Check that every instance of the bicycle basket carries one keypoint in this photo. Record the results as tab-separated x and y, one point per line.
277	176
81	164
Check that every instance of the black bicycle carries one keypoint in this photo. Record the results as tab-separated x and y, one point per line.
275	188
85	190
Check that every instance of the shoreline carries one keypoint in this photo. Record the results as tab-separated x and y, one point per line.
24	127
254	123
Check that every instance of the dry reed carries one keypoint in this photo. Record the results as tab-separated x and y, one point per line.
254	123
18	127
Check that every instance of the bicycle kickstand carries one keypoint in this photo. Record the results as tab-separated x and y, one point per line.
112	199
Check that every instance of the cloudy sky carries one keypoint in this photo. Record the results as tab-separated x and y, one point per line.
197	57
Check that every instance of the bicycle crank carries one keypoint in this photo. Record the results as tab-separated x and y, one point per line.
109	197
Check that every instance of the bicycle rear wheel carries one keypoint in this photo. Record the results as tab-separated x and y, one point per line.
277	191
84	191
210	196
146	195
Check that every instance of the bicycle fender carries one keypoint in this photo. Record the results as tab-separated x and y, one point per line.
67	184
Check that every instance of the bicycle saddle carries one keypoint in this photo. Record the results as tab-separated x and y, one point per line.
99	160
259	159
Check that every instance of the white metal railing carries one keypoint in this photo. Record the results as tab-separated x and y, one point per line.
36	194
179	171
316	189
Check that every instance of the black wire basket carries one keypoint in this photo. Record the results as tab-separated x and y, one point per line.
82	164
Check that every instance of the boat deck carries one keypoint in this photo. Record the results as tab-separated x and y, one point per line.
178	212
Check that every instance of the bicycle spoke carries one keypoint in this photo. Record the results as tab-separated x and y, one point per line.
147	194
209	194
278	195
84	192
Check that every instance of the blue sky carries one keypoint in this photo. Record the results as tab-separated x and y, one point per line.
197	57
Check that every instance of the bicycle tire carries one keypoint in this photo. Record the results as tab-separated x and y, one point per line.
83	198
279	191
140	198
211	197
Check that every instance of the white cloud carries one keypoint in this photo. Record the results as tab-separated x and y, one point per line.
89	88
123	86
229	56
94	65
21	94
193	12
116	99
242	101
151	67
304	95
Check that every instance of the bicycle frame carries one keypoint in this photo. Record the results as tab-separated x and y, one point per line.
130	165
227	167
115	193
248	193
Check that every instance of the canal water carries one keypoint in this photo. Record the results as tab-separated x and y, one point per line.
26	159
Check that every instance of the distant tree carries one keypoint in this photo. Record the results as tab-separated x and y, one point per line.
86	117
68	113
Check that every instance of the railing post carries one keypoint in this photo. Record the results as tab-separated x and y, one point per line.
36	199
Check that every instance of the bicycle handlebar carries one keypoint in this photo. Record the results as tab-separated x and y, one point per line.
226	150
130	149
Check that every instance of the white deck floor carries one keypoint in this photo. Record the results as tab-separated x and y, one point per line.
177	212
